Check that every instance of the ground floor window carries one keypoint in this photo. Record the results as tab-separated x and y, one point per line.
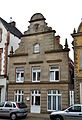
54	100
71	98
18	95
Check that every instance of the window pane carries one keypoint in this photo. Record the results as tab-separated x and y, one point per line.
49	102
22	74
34	76
37	101
54	102
59	102
38	76
51	75
56	75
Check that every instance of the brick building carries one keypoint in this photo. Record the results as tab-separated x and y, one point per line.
39	69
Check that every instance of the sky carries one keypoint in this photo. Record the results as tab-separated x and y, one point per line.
62	15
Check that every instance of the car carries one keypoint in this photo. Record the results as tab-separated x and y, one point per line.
73	112
13	110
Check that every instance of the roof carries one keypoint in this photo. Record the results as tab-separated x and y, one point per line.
37	17
12	29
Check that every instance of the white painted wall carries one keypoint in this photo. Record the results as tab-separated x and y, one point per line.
3	88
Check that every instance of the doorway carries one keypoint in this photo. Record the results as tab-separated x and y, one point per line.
35	101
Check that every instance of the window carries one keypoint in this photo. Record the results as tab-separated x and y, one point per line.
18	95
54	73
8	104
81	60
20	74
0	34
75	109
36	74
54	100
36	48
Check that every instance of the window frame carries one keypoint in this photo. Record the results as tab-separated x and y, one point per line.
54	69
58	96
19	71
19	94
36	48
36	71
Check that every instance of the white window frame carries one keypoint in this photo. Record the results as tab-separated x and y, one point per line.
54	69
36	48
71	93
52	94
18	94
20	71
36	71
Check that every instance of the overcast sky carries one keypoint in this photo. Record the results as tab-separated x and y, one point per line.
62	15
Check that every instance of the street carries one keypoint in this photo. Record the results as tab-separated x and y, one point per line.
33	117
40	117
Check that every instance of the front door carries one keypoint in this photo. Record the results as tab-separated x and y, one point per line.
35	101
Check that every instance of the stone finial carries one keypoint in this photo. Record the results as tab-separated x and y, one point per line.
66	45
11	51
74	31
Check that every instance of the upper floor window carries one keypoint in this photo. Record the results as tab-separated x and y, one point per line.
36	48
36	74
0	34
20	74
54	73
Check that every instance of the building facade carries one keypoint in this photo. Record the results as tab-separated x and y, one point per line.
9	36
77	46
39	69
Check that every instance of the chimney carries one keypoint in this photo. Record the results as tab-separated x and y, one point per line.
57	39
13	23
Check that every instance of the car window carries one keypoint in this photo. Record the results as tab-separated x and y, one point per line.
22	105
14	105
8	104
2	104
75	109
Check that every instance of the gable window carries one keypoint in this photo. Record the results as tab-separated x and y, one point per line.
36	74
36	48
54	100
20	74
18	95
54	73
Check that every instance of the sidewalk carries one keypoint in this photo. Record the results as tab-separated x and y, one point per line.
38	116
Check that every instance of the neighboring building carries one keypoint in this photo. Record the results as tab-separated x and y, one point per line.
77	46
9	36
40	69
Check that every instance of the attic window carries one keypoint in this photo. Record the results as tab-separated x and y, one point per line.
36	48
0	34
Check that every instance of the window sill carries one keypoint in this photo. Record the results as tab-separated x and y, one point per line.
54	80
35	81
19	81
